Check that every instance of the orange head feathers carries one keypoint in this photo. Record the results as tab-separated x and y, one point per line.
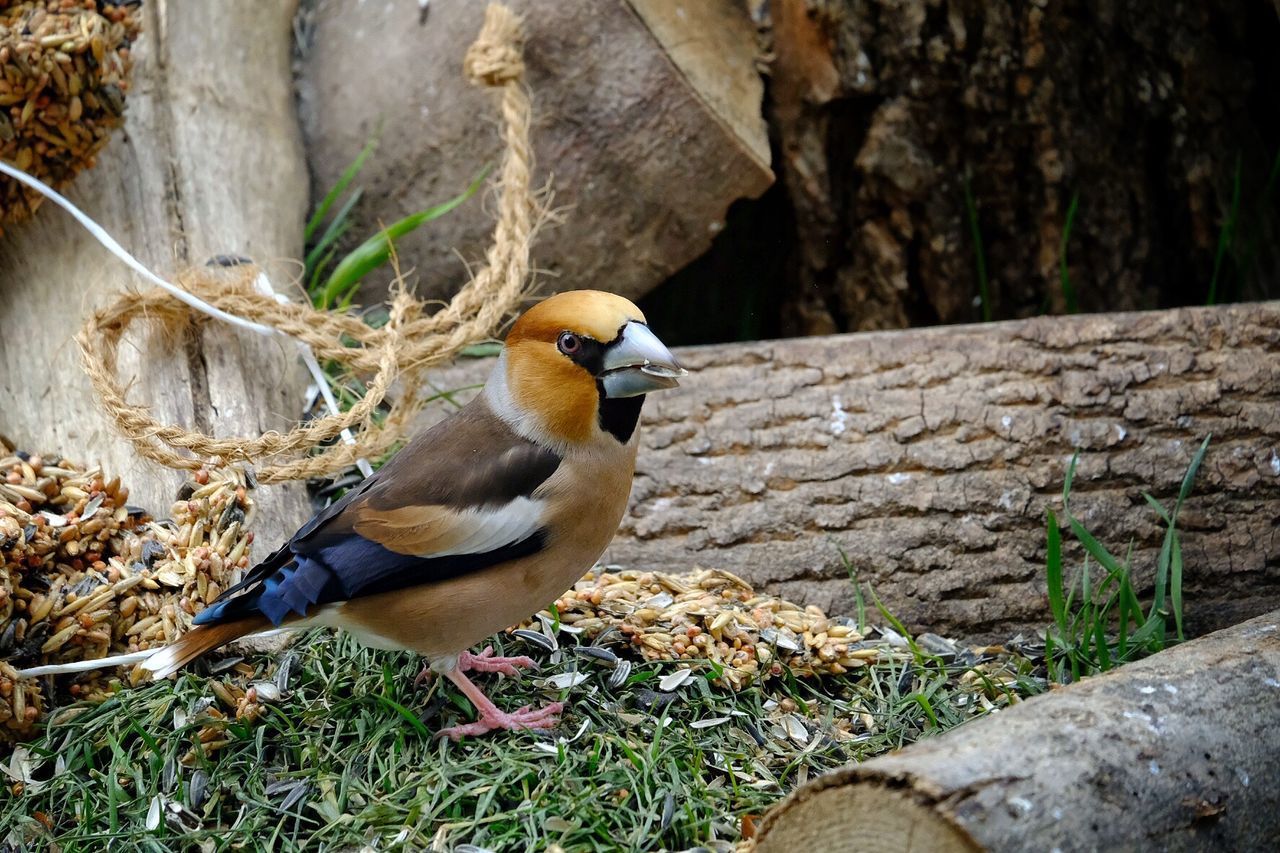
576	366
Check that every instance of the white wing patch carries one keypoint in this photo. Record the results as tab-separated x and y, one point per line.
482	530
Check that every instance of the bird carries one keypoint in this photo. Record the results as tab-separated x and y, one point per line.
477	522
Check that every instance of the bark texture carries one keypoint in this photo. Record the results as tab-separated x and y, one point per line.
883	110
1176	752
929	456
648	119
209	162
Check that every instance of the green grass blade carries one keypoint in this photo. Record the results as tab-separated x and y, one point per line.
337	190
1126	614
1050	665
1095	548
1162	568
340	225
1100	644
1066	483
1190	476
1175	586
375	251
1131	598
1157	506
1053	571
860	604
926	706
409	717
1226	237
313	284
979	256
1068	289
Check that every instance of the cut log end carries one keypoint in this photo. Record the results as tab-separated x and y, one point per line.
1184	739
872	818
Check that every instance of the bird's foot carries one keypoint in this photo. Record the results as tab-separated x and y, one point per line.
527	718
487	662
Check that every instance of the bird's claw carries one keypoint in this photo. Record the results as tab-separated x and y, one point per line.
526	719
487	662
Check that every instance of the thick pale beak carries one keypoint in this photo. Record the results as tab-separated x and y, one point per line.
637	363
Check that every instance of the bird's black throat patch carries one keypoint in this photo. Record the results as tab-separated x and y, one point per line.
619	415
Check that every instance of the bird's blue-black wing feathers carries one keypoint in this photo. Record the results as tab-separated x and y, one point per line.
467	462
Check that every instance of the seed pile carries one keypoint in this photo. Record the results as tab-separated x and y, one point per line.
64	71
84	575
714	616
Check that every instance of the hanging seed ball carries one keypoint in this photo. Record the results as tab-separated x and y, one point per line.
64	72
84	575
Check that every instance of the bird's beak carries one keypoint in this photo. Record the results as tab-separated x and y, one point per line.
637	363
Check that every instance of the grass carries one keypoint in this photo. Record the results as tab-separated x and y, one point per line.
335	286
1098	621
1064	274
1227	235
346	758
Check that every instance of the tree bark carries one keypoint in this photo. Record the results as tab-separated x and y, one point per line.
1176	752
209	163
886	113
649	123
928	457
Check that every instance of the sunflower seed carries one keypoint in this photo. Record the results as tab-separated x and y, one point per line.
620	674
537	638
674	680
196	791
91	507
564	680
597	652
708	722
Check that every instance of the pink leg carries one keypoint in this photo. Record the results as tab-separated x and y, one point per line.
483	662
491	718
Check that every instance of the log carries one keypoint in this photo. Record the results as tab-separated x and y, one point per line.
930	455
1176	752
650	124
210	162
884	119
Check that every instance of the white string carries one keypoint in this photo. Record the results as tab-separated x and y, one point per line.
262	283
119	660
321	380
120	252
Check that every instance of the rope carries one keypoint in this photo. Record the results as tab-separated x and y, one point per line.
410	342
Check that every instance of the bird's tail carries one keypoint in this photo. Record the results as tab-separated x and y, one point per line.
198	640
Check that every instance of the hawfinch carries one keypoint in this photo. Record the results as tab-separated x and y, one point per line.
479	521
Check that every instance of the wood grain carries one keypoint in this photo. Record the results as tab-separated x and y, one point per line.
209	162
1163	754
929	457
648	121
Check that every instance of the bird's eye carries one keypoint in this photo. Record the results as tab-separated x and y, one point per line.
569	343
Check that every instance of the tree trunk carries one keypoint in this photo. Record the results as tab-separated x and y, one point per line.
928	457
1176	752
209	163
650	126
884	110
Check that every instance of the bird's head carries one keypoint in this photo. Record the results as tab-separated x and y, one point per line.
578	364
